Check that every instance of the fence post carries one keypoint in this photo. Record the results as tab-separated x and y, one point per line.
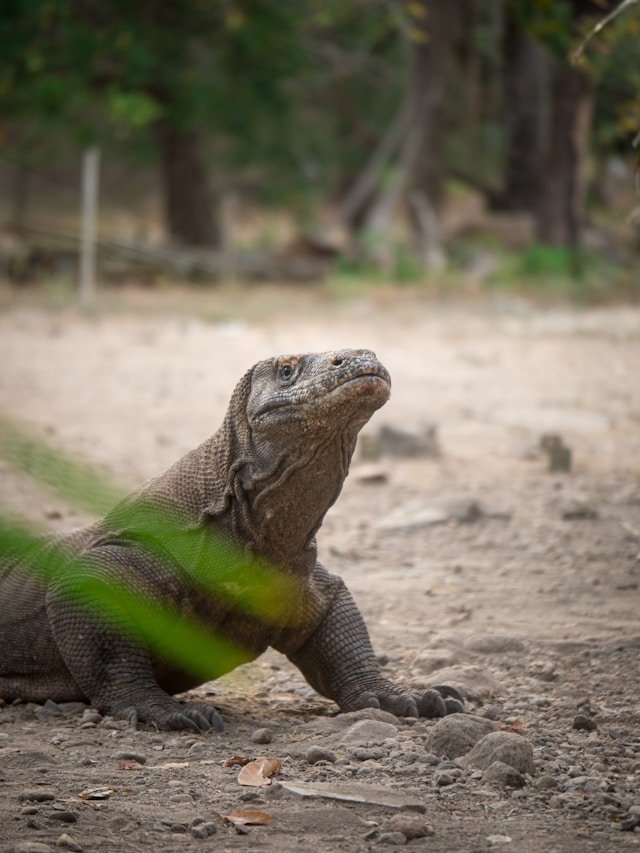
90	170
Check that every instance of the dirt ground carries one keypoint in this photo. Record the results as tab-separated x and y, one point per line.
528	587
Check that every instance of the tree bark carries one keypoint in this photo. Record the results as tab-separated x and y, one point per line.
526	119
191	209
561	205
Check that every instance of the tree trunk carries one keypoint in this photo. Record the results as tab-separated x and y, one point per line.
417	176
191	208
20	193
561	206
526	119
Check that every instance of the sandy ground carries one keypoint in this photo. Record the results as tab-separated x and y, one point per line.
539	595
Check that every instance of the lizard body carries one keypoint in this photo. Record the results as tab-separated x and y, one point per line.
263	481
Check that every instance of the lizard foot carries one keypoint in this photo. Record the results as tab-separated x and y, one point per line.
387	698
439	701
161	710
198	718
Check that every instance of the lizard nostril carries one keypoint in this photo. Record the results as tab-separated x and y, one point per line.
337	360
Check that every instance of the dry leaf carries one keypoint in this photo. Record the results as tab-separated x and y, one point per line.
248	817
129	765
235	759
257	773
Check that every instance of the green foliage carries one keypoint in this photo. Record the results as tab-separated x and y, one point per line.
247	584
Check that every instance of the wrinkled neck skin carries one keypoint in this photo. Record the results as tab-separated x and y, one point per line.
280	487
287	507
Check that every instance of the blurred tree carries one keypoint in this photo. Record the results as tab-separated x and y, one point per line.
526	117
549	111
205	71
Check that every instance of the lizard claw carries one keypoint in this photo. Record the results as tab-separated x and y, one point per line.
439	701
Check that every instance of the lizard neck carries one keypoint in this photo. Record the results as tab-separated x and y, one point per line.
286	507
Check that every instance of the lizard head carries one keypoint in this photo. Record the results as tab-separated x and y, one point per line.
318	392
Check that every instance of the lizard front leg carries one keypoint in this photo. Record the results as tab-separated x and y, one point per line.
337	659
110	666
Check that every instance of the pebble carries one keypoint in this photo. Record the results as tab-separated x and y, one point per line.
48	711
410	825
66	842
319	753
510	748
39	795
503	776
495	840
365	754
181	798
442	779
583	723
546	783
203	830
262	736
126	755
63	816
27	810
455	735
396	839
90	715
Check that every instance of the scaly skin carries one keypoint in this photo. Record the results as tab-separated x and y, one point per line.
264	481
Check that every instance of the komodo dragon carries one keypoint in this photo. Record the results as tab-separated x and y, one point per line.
265	480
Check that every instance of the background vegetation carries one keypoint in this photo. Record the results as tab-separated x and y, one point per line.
402	140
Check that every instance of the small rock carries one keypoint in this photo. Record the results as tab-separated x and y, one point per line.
510	748
29	810
127	755
558	453
369	731
578	510
204	830
32	847
66	842
63	816
583	723
363	753
441	779
410	825
319	753
503	776
495	840
262	736
544	670
181	798
396	839
546	783
456	734
38	795
48	711
90	715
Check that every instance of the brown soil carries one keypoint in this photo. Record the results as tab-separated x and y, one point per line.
553	561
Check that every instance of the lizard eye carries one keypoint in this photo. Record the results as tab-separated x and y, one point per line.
286	371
